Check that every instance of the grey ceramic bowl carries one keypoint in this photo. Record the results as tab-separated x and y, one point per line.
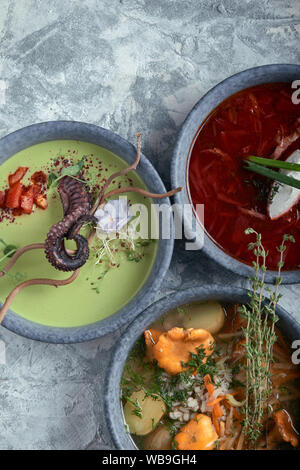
65	130
113	408
182	151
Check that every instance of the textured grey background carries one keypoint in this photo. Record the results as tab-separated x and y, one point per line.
127	65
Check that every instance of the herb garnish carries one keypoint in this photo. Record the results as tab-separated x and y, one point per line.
260	337
112	249
137	409
72	170
273	175
8	250
265	189
148	376
292	166
197	364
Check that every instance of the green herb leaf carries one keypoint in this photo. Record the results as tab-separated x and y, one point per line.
274	163
73	170
274	175
51	179
9	250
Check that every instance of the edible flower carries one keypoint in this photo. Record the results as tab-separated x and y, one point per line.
114	215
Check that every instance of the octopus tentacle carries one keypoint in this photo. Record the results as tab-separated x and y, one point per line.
63	261
77	226
75	200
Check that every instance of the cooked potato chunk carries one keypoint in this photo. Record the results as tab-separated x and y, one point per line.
160	439
171	318
143	413
209	316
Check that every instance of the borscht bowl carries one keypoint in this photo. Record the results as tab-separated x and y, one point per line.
254	114
59	168
148	396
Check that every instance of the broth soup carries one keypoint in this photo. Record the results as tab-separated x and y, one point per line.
184	385
262	121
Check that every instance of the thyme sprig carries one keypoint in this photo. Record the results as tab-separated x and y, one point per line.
259	333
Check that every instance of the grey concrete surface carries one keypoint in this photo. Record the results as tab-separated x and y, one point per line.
127	65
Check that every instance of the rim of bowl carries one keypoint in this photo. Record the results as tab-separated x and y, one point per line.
184	145
74	130
113	408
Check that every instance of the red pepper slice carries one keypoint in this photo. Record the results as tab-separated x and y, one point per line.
41	201
13	196
2	199
37	190
17	176
27	200
39	177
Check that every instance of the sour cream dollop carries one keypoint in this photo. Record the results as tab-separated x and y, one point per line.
286	196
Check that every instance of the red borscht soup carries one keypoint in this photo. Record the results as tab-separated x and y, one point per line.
261	121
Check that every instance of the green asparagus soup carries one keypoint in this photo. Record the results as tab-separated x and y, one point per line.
112	275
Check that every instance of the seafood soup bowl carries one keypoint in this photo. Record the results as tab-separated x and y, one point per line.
113	406
188	134
91	134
